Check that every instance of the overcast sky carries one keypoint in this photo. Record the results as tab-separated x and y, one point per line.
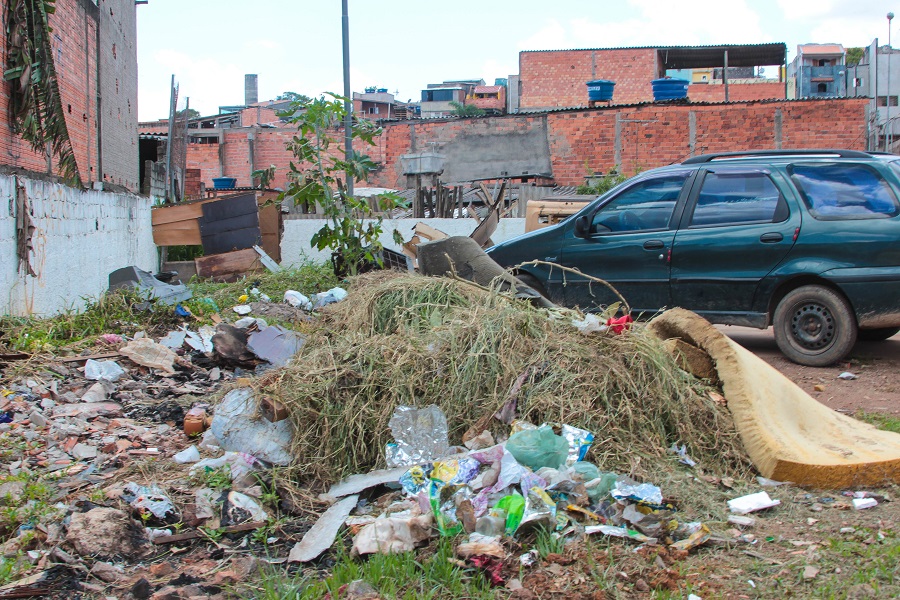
295	45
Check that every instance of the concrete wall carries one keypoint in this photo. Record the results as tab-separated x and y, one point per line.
80	237
295	248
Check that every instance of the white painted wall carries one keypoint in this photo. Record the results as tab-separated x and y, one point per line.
80	237
295	247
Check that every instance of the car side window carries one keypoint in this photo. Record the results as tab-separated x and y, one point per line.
645	206
738	198
846	191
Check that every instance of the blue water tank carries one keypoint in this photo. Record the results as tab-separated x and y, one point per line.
669	89
600	90
224	183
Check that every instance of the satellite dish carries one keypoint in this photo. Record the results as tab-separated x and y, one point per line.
762	71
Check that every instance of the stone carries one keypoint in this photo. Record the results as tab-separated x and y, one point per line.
107	532
105	571
95	393
37	419
161	569
84	451
141	589
360	589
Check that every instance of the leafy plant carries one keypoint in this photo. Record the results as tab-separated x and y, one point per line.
35	103
353	228
465	110
603	184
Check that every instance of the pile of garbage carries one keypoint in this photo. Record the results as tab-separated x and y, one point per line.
405	340
536	480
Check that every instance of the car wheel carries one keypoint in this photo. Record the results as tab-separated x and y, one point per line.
814	326
877	335
532	282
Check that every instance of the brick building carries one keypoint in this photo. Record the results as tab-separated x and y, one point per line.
557	78
95	56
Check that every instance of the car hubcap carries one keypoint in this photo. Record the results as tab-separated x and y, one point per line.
813	326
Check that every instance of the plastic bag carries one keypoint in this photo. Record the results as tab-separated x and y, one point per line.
536	448
149	499
106	370
586	471
330	297
600	488
297	300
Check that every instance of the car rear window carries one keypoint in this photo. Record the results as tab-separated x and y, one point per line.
844	191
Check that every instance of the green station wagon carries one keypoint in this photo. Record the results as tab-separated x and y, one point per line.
807	241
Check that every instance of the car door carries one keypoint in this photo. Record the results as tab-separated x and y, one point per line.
627	245
737	226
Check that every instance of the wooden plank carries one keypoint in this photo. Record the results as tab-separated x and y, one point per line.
175	212
182	233
228	265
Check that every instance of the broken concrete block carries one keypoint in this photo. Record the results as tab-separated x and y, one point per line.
107	532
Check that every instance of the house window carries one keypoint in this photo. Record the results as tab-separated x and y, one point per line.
822	88
823	63
373	110
883	100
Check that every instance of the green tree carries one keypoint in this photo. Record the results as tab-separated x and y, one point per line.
352	229
854	55
190	112
293	97
465	110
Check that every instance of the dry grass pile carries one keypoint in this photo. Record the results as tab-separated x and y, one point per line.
408	339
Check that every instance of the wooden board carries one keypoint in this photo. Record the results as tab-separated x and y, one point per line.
178	233
228	266
270	226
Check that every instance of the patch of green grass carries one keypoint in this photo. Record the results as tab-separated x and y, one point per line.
30	507
867	557
880	420
216	479
406	576
12	567
547	543
114	312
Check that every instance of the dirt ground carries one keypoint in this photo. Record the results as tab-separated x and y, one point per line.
877	365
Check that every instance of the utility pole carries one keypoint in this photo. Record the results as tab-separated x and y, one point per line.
888	135
170	197
348	101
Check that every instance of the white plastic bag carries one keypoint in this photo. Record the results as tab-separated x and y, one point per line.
107	370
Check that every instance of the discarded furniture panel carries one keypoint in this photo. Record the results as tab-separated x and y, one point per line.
551	210
788	435
230	224
228	266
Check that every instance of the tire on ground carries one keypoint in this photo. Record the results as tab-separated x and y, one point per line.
814	326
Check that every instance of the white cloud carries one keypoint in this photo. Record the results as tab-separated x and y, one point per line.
552	36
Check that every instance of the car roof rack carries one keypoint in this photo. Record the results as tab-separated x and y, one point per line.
811	153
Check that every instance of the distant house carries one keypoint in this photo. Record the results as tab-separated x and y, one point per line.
436	98
819	71
489	98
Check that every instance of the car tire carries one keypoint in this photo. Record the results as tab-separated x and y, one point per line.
814	326
532	282
877	335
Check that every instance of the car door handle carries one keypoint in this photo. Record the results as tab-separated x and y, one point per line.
653	245
771	238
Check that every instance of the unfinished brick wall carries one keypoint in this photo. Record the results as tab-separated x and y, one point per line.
258	115
74	42
559	77
579	141
118	91
738	92
652	135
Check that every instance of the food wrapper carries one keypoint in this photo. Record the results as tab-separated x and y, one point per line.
580	442
455	472
626	489
415	479
539	508
698	538
621	532
443	506
420	435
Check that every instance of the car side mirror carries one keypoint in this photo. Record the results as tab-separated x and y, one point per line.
582	226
